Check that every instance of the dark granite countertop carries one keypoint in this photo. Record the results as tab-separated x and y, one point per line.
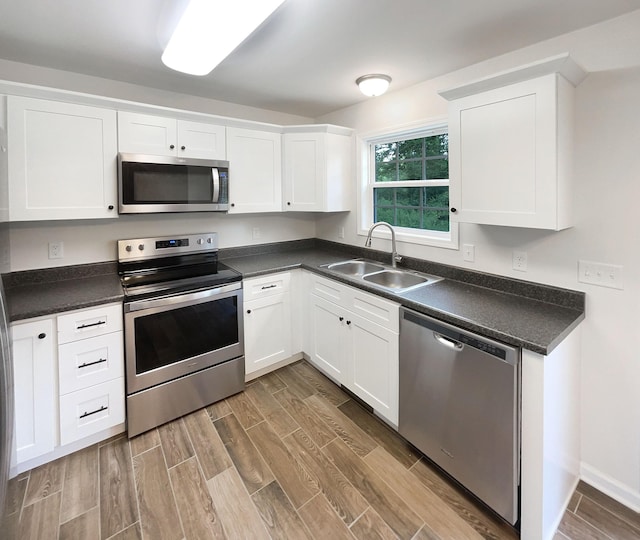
533	316
54	290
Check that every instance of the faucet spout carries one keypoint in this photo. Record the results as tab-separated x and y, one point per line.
394	253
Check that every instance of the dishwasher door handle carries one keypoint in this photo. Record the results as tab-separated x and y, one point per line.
447	342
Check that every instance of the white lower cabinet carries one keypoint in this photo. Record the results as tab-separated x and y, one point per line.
68	382
353	338
267	322
34	361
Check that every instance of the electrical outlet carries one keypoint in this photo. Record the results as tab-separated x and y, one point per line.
604	275
256	233
469	252
56	250
341	232
519	259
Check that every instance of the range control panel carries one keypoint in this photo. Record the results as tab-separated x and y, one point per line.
147	248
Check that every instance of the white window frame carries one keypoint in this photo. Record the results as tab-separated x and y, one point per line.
366	173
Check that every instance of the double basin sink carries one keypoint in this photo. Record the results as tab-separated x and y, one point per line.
390	279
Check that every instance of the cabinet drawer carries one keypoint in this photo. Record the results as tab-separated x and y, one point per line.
328	289
266	285
376	309
91	410
89	323
92	361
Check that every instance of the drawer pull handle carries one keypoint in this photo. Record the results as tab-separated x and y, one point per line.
103	408
269	287
87	364
82	326
42	336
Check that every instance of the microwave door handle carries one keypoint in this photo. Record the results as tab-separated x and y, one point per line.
215	177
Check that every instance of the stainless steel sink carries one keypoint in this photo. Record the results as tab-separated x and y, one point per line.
396	279
384	277
355	268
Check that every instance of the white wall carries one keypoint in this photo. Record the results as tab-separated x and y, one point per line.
606	195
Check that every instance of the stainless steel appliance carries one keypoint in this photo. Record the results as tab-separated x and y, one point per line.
154	184
6	402
460	405
183	327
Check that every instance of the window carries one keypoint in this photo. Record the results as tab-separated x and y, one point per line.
407	185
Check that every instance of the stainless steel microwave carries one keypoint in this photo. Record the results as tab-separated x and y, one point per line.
157	184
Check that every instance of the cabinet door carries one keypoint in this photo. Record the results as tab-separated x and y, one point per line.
373	366
304	168
62	160
504	156
267	331
328	337
201	141
255	171
145	134
34	388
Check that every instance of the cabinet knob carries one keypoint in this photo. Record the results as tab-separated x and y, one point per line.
288	204
348	322
454	210
42	336
172	146
110	207
248	311
233	204
183	148
341	319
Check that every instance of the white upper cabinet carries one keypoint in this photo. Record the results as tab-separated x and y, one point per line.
156	135
62	160
317	168
255	170
510	147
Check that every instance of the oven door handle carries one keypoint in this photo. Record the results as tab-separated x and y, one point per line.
139	305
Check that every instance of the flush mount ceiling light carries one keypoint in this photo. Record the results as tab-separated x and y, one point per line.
373	85
208	31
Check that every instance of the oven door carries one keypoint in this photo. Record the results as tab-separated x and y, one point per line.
173	336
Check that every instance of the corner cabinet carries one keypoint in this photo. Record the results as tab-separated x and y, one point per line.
62	160
317	168
255	170
354	338
157	135
510	146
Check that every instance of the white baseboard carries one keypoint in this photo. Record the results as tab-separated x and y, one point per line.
611	487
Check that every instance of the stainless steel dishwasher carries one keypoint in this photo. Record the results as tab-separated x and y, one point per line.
460	406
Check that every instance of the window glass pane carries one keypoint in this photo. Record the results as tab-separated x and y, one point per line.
407	196
408	217
437	169
410	170
386	172
386	152
383	197
384	214
437	220
410	149
437	145
436	197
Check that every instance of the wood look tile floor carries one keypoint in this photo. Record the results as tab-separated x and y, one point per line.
292	457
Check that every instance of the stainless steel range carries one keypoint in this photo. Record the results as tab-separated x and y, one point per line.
184	346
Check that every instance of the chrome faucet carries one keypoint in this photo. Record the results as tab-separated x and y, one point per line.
395	258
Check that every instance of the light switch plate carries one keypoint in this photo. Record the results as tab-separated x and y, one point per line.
469	252
604	275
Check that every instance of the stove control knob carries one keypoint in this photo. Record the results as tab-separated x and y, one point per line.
200	241
141	247
128	248
209	240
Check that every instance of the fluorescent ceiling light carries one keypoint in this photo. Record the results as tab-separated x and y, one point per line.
373	85
210	29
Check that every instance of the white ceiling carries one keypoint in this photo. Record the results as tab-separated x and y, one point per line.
305	58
